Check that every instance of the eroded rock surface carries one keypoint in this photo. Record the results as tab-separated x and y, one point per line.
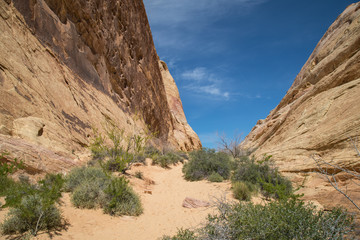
68	66
185	137
320	112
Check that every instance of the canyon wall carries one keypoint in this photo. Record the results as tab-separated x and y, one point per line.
68	67
320	112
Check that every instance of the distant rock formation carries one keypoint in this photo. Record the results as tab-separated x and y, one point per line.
320	112
184	136
68	66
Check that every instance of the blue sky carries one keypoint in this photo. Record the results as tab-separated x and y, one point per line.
234	60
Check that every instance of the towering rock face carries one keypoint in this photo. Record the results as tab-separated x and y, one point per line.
185	136
67	67
320	112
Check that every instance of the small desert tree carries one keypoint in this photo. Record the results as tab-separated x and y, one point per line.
231	146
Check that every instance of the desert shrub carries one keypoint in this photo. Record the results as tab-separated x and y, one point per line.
215	177
33	207
182	234
5	184
87	185
117	152
92	187
139	175
291	219
265	175
182	155
89	195
203	163
241	191
151	151
7	168
32	214
167	159
79	176
121	199
276	220
160	160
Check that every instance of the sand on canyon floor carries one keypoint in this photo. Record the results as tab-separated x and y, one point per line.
162	194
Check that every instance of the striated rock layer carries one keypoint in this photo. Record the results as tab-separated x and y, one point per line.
184	135
68	66
320	112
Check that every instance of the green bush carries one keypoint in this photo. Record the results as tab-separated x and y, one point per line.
92	187
183	234
117	152
89	195
167	159
7	168
241	191
32	214
215	177
33	206
204	162
78	176
276	220
121	199
6	183
87	185
265	175
151	151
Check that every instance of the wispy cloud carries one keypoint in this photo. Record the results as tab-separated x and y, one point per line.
175	23
174	12
197	74
201	81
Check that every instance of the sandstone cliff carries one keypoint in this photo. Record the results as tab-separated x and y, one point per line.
67	67
320	112
185	137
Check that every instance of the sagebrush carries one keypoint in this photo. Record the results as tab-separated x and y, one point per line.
291	219
203	163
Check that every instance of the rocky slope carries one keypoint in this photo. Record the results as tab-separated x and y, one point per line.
320	112
67	67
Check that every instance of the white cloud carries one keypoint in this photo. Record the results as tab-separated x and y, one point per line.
176	23
201	81
174	12
196	74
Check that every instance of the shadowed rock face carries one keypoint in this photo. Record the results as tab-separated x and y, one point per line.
320	112
69	66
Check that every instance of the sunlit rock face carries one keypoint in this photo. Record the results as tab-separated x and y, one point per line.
185	137
68	67
320	112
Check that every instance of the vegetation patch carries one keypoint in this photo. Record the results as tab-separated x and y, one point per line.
33	207
290	219
205	162
116	151
262	175
92	187
166	157
215	177
241	191
121	199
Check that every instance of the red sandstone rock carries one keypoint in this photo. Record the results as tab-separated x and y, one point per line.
320	112
69	66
